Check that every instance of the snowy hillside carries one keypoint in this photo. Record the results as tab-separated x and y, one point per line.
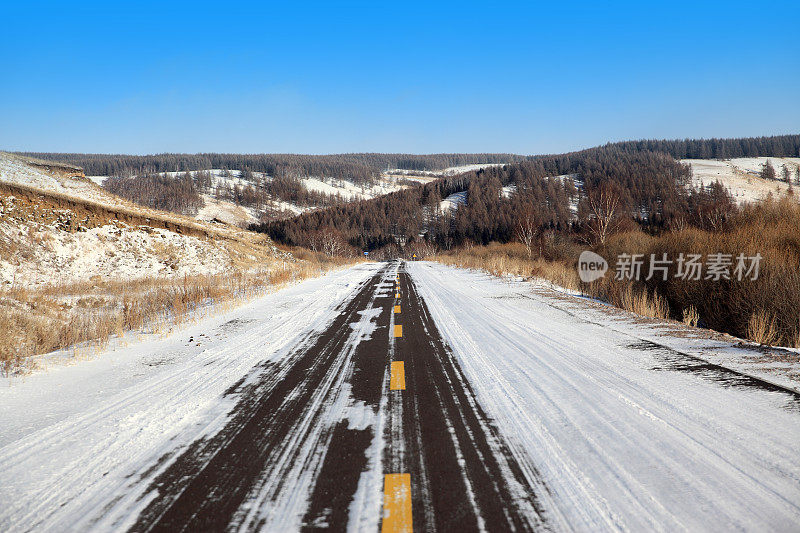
350	191
15	170
218	188
453	201
60	238
218	208
449	171
742	176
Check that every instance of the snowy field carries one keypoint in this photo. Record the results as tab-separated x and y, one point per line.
591	405
741	176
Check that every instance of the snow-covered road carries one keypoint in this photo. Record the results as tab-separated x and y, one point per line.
390	394
621	431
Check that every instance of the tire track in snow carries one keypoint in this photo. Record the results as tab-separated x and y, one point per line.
276	424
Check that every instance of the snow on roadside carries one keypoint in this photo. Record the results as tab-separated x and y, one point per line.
73	436
622	438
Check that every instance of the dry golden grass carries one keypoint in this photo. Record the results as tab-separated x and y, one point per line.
640	301
511	259
766	310
761	328
89	313
690	316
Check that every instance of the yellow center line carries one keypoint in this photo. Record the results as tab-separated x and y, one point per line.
396	503
398	330
397	295
397	309
397	381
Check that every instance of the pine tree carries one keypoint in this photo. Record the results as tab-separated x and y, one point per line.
786	173
768	171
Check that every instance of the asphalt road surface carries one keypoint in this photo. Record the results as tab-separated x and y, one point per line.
455	472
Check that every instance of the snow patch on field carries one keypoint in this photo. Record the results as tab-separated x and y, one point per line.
225	211
350	191
449	171
453	201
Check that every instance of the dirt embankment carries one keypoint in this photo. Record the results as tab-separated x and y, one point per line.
72	214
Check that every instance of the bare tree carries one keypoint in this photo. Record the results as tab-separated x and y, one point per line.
422	249
679	223
332	242
527	229
604	205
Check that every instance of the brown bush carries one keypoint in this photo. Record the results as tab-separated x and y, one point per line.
738	307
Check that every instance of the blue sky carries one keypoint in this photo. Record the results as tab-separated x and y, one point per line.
139	77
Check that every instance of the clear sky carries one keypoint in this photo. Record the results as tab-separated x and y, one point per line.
328	77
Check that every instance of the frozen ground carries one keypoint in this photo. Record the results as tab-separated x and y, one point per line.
741	176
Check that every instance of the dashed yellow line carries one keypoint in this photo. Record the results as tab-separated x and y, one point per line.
396	503
397	309
397	380
397	295
398	330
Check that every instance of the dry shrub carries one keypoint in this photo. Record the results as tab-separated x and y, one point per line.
761	328
562	274
796	341
512	259
690	316
640	301
765	309
769	229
